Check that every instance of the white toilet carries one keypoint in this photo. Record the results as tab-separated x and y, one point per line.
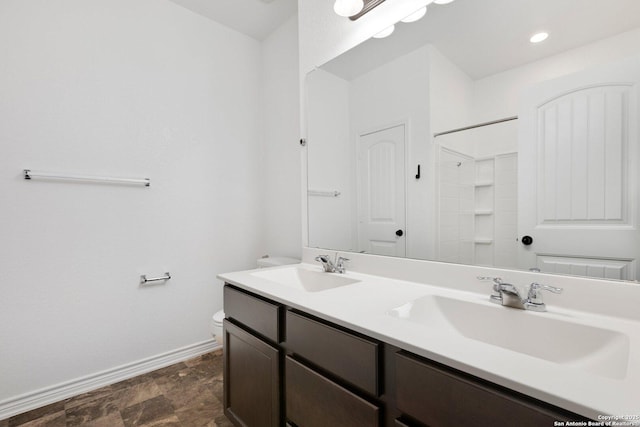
216	320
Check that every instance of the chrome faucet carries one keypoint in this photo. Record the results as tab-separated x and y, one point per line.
534	298
509	295
331	267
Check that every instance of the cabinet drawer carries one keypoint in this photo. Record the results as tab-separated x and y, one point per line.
345	355
314	401
439	397
257	314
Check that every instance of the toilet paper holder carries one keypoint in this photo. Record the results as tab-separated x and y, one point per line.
144	280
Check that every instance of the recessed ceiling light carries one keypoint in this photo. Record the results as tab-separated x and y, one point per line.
442	1
385	33
416	15
540	37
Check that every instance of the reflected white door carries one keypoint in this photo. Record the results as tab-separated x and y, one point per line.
578	162
381	192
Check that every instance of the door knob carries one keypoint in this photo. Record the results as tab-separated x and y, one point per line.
399	233
527	240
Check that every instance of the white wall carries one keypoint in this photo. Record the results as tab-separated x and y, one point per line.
339	111
122	88
281	150
450	93
330	162
421	89
395	93
325	35
498	96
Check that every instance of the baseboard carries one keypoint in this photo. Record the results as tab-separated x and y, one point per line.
33	400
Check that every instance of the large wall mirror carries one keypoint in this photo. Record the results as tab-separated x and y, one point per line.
456	139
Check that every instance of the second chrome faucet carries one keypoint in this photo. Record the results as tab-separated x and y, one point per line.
339	266
509	295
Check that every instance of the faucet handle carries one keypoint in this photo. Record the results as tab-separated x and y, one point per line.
497	281
534	299
327	265
535	288
340	264
496	296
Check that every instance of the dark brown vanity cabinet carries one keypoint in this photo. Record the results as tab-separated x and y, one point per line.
252	360
259	315
252	379
351	358
327	374
438	396
312	400
285	367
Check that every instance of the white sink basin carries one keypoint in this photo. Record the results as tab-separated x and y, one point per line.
303	279
599	351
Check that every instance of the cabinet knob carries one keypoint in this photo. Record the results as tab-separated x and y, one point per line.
526	240
399	233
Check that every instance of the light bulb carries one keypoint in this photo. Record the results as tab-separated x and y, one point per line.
540	37
385	33
442	1
348	8
416	15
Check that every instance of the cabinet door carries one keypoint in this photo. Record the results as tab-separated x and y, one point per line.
314	401
440	397
251	379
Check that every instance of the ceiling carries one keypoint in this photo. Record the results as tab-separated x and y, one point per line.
255	18
489	36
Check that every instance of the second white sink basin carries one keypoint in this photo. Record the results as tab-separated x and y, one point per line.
599	351
303	279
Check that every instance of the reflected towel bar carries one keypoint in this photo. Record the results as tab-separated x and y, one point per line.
479	125
320	193
29	174
144	280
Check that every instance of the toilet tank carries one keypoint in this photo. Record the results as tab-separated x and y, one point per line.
268	261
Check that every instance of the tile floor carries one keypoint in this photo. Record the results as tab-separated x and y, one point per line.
187	394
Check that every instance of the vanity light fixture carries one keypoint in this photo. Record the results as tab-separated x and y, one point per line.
348	8
415	15
354	9
539	37
385	33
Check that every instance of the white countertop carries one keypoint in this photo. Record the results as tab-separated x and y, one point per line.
363	307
